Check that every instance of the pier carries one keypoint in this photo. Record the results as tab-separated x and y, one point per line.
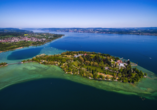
133	64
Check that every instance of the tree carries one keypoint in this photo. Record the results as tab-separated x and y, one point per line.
116	58
128	62
125	80
95	75
95	64
88	57
81	72
69	69
113	78
93	71
107	77
101	76
114	75
91	63
87	62
81	59
102	68
73	71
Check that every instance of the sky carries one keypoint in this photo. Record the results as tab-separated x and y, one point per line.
78	13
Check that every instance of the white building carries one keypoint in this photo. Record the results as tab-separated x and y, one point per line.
121	65
78	55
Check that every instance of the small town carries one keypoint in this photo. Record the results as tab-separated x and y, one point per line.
17	39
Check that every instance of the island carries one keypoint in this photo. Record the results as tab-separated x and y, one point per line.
3	64
92	65
17	39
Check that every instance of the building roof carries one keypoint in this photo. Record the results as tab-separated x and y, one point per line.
121	64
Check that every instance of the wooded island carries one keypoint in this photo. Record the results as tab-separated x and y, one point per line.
92	65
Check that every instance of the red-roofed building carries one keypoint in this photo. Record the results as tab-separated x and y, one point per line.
119	61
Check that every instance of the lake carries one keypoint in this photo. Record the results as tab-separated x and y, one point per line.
35	86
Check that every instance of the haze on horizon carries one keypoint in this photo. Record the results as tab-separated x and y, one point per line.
78	13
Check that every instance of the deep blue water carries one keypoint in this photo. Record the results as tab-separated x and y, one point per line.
59	94
24	54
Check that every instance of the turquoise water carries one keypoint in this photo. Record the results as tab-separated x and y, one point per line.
37	85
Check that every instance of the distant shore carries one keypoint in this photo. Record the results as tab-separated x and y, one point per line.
18	42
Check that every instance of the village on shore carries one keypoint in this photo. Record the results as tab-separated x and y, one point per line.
18	39
34	37
10	42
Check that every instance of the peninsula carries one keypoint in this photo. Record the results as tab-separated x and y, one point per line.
92	65
18	39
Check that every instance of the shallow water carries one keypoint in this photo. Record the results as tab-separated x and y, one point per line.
29	71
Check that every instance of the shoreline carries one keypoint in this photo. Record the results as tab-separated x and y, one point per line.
99	79
109	33
104	85
19	48
89	69
108	83
13	49
31	45
3	65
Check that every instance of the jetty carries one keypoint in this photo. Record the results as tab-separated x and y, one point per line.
134	64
